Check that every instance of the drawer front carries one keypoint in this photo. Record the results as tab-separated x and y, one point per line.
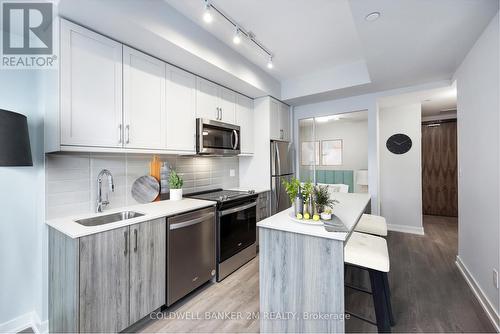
191	252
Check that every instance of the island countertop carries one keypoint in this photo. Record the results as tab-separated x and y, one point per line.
349	210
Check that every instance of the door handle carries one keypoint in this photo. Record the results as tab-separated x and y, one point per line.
191	222
135	235
125	235
128	134
238	208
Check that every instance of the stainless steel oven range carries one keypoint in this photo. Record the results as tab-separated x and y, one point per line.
236	218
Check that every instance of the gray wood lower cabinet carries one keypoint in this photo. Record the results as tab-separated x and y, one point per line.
147	268
107	281
104	281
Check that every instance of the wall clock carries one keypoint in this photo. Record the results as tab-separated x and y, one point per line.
399	143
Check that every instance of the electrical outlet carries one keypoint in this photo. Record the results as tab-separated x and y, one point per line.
232	172
495	278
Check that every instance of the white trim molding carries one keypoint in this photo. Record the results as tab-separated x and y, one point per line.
478	292
406	229
22	322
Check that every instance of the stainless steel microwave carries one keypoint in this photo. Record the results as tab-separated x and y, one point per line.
217	138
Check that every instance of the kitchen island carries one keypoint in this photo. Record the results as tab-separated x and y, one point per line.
302	270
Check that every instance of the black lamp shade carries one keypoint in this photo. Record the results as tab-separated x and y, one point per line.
15	147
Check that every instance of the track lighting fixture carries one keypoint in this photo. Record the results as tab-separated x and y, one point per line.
239	31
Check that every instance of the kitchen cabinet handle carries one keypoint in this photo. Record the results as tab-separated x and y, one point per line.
121	134
135	235
125	234
217	116
221	111
128	134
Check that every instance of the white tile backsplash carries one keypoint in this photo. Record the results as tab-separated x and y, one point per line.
71	186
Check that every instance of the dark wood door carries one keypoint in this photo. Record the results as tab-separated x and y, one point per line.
439	169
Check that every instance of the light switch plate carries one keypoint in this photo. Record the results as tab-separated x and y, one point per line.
232	172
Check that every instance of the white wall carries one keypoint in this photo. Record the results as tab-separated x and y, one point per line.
478	158
23	248
401	175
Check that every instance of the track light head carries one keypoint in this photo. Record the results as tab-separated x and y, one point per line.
237	36
207	14
270	64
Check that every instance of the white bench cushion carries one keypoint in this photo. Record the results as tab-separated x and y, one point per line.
372	224
367	251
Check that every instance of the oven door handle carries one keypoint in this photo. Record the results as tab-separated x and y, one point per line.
238	208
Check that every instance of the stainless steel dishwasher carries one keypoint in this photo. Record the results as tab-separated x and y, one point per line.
190	252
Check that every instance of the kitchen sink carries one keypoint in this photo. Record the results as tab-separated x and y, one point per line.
111	218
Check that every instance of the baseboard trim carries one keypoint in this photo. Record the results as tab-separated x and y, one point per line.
406	229
478	292
27	320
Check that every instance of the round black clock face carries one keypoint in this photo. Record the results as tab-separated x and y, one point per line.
399	143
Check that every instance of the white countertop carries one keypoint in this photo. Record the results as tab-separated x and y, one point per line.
151	211
349	210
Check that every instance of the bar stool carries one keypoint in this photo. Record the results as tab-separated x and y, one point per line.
370	253
372	224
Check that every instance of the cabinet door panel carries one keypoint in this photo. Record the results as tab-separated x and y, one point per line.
144	100
275	120
227	103
181	110
104	281
285	121
244	118
207	101
147	267
91	88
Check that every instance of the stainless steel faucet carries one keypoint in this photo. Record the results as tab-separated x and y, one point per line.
100	202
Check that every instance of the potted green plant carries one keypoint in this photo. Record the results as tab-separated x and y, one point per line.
323	202
307	192
291	187
175	182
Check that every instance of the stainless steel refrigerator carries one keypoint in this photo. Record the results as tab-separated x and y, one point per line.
281	168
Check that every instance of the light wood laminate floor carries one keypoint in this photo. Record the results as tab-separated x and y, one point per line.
428	292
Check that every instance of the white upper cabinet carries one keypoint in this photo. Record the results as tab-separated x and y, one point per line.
227	105
207	100
285	122
275	119
245	119
181	110
215	102
279	120
144	106
90	88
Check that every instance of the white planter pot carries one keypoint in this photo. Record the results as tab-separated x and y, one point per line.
175	194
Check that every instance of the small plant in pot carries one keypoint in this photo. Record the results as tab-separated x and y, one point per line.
323	202
175	182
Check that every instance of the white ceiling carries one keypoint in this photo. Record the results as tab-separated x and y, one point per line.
413	42
304	36
435	102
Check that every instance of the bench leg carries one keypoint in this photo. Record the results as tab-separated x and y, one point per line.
380	301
